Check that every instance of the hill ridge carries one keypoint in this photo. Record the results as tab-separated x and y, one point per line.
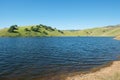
43	30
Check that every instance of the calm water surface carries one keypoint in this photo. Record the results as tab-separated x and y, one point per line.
31	58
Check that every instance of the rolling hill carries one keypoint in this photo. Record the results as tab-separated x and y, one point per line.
100	31
30	31
43	30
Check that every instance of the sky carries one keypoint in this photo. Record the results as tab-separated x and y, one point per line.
60	14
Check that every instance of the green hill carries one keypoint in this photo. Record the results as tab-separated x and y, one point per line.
43	30
102	31
30	31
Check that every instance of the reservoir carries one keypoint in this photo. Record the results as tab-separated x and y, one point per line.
40	57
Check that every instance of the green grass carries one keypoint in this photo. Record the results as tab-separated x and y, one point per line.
22	33
103	31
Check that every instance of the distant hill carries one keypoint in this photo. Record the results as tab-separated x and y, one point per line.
43	30
102	31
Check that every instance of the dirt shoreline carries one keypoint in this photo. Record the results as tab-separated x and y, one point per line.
117	38
110	71
98	73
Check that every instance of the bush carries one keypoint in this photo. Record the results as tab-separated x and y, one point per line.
26	29
35	29
45	32
61	31
13	29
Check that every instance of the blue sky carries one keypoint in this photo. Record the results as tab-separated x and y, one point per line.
62	14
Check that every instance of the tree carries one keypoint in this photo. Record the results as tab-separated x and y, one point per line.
32	28
13	29
26	29
38	26
61	31
45	32
50	28
35	29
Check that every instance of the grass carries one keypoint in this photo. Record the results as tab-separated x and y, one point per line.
22	33
103	31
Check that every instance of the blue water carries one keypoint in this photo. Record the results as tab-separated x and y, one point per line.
31	58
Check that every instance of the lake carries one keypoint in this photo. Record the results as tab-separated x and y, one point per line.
38	58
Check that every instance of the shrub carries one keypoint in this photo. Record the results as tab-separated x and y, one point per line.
13	29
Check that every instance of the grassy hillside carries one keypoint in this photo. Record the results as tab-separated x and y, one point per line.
43	30
104	31
33	31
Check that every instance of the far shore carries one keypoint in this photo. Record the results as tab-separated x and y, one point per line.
111	71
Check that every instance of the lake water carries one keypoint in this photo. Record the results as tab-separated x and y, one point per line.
38	58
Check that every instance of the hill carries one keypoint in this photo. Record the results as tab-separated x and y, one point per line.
30	31
43	30
102	31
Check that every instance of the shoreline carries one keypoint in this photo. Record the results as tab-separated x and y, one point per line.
116	38
97	73
109	71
